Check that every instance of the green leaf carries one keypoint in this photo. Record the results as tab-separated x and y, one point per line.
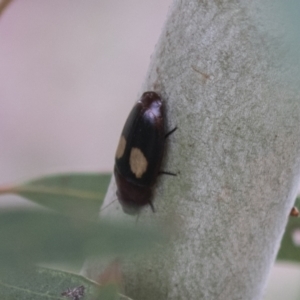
109	292
47	284
29	237
290	244
42	283
77	194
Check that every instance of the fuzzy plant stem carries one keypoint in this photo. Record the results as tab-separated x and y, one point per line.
228	72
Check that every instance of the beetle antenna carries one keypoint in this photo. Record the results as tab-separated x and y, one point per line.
170	132
166	173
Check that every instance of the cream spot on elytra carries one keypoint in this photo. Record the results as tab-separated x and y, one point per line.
121	147
138	162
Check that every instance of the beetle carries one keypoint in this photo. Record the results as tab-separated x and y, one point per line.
140	152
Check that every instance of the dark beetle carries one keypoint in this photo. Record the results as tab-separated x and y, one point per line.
140	152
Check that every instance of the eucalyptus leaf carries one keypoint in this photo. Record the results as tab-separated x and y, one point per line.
290	244
39	283
29	237
77	194
109	292
42	283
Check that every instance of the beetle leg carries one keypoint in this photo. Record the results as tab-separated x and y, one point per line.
170	132
107	205
166	173
152	207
